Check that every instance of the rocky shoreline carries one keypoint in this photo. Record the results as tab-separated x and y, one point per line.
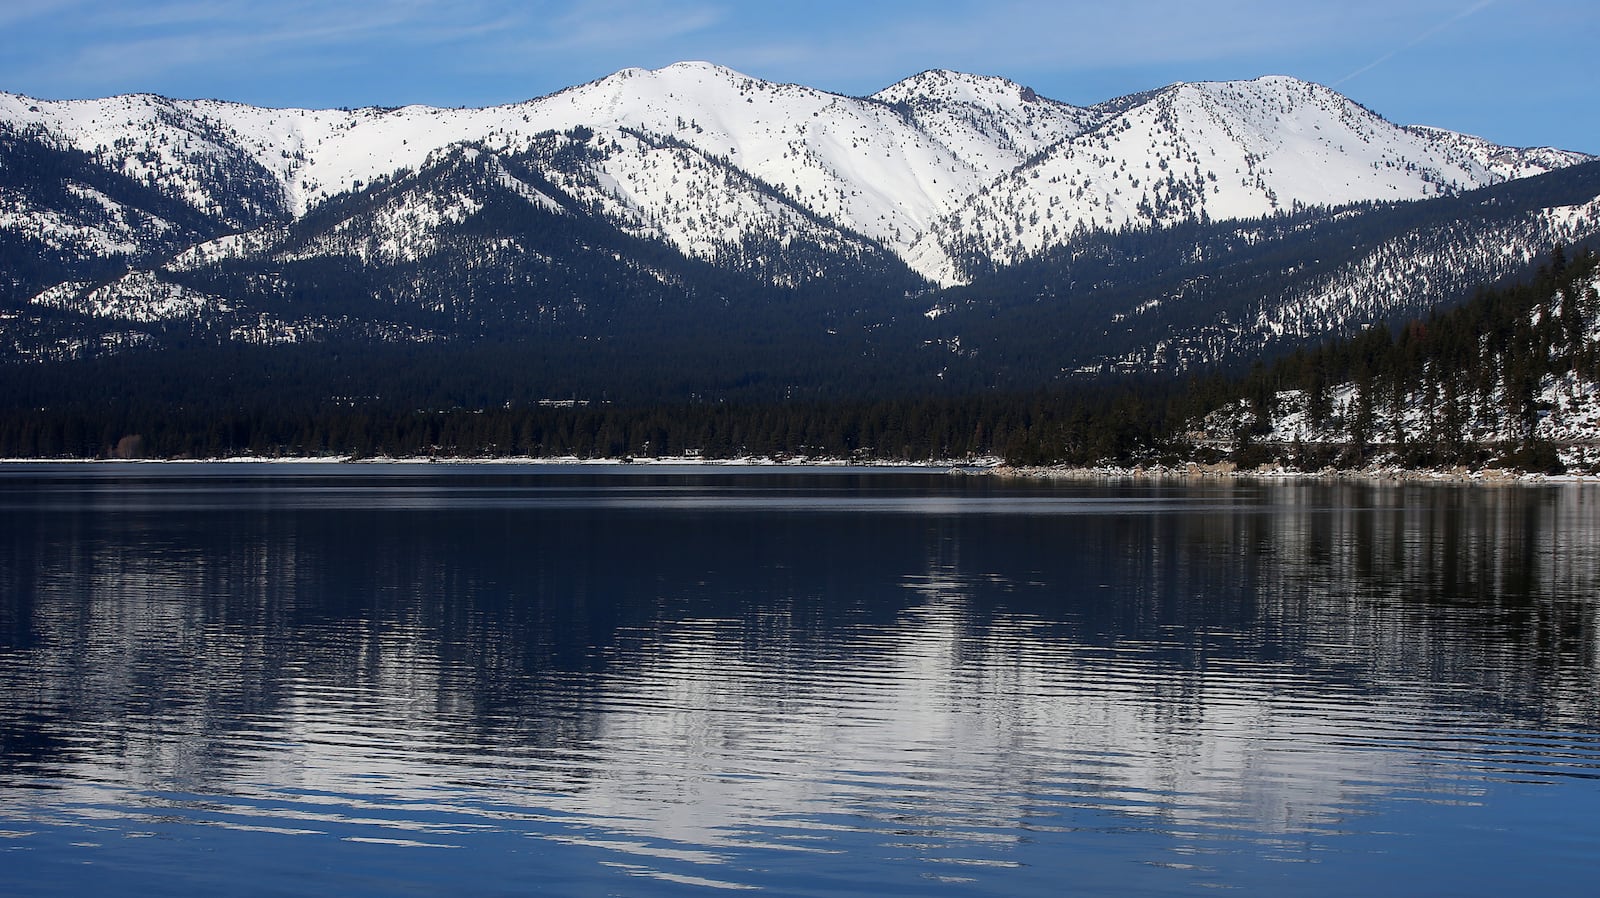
1195	471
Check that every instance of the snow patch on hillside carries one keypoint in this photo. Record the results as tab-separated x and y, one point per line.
230	246
140	296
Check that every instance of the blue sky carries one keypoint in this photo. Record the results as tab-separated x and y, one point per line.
1522	73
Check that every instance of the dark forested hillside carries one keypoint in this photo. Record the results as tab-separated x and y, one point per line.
1511	377
1196	295
386	402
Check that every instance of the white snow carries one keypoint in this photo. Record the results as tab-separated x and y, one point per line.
138	296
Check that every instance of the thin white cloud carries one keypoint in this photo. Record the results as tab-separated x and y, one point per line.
614	24
1415	41
137	44
1098	34
18	11
413	22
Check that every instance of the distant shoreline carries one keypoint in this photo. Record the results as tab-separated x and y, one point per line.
984	467
970	466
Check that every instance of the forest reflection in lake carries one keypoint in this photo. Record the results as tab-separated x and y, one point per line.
491	680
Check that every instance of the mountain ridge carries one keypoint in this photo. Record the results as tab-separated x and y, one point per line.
933	168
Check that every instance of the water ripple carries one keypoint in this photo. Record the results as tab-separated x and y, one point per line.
828	691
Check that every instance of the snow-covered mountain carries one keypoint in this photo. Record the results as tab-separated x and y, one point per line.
853	165
723	201
1215	151
953	173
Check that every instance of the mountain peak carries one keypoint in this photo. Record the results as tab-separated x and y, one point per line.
992	124
699	66
1284	90
943	85
682	74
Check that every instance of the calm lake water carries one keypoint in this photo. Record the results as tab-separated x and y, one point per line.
432	680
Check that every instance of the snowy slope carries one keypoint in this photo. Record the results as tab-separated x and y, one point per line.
666	189
139	296
1402	276
160	141
857	163
416	237
1506	162
104	229
64	217
651	188
992	124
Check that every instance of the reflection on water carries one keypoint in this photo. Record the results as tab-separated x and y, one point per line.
807	683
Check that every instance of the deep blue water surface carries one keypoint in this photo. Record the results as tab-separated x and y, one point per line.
430	680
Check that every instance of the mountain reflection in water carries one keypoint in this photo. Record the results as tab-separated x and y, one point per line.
804	682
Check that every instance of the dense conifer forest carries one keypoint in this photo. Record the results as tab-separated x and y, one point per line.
1476	370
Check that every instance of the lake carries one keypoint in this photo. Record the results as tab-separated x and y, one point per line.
504	680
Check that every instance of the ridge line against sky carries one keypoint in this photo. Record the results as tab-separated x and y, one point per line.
1518	72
